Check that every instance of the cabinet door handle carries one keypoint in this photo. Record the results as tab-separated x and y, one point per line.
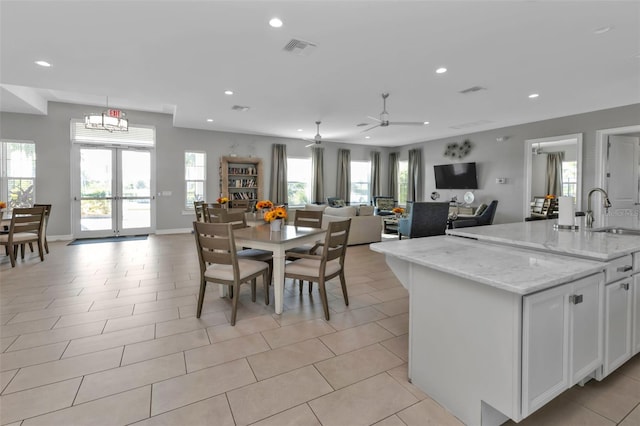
575	299
625	268
624	286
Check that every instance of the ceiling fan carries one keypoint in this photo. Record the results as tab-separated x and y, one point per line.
383	121
317	139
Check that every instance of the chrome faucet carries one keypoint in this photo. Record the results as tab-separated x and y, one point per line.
589	213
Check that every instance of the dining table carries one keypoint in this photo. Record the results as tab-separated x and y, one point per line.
262	237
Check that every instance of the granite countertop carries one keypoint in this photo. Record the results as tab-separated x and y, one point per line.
515	270
540	235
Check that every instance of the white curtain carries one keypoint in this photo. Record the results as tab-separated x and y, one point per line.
278	187
393	175
414	185
317	176
375	175
553	181
343	189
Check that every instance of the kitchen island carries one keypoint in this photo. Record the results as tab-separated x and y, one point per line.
621	254
496	332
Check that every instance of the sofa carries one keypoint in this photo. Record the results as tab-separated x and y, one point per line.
365	227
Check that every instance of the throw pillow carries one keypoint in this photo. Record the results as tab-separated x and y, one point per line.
349	211
365	211
315	207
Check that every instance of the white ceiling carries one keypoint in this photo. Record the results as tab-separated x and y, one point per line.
178	57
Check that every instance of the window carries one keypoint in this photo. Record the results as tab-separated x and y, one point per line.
569	178
403	181
18	166
298	181
360	179
195	176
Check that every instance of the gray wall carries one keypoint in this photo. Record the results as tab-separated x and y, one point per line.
53	153
495	159
506	159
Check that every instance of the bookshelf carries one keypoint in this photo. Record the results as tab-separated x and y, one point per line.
241	179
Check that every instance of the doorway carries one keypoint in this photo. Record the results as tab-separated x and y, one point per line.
535	167
617	172
112	190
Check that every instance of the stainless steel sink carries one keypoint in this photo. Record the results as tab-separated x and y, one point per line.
619	231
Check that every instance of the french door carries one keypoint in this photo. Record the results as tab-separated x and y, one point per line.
113	191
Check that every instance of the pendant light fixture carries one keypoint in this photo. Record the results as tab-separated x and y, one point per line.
111	120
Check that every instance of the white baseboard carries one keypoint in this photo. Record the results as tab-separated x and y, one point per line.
174	231
59	237
158	232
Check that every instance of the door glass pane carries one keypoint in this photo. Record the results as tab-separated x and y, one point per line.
136	183
95	215
95	183
136	213
136	174
95	173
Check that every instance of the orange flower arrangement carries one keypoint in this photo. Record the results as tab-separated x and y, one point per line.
277	213
398	210
264	204
3	205
222	200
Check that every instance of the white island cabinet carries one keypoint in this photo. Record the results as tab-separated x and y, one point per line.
621	254
497	332
562	339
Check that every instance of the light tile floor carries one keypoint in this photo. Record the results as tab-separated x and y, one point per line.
106	334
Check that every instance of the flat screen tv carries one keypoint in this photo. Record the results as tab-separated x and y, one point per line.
456	176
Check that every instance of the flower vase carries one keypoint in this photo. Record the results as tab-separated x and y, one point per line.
276	225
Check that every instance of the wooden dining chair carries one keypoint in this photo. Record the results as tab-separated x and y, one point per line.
238	220
47	213
198	207
26	227
326	265
309	219
220	264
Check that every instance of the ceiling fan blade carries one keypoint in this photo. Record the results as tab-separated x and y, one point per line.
408	123
310	145
373	118
372	127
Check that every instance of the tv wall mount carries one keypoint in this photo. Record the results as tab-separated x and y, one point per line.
458	150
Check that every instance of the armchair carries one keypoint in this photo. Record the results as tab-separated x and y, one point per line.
383	205
424	220
335	202
484	217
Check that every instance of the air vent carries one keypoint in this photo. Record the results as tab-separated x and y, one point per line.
472	90
240	108
471	124
300	47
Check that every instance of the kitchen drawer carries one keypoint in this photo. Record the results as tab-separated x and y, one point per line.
619	268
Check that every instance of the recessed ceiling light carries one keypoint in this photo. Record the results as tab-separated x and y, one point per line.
275	22
533	95
228	92
299	130
441	70
602	30
425	123
43	64
210	120
367	137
